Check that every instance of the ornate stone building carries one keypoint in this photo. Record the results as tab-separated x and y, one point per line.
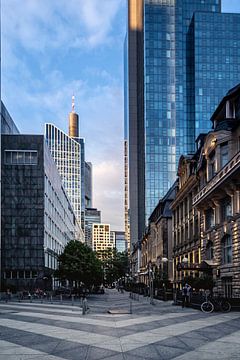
157	242
186	241
218	196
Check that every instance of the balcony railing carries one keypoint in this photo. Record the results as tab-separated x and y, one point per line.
232	165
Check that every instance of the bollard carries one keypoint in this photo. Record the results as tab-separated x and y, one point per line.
72	300
130	304
80	301
51	299
84	306
61	298
30	298
41	299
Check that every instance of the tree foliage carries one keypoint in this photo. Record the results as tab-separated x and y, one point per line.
79	263
115	264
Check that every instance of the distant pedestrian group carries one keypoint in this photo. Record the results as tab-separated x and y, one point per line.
186	295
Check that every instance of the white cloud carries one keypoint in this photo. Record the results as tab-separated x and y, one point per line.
109	179
42	92
44	24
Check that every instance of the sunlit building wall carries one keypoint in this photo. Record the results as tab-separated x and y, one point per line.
66	153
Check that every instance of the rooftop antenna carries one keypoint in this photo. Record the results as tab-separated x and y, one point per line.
73	103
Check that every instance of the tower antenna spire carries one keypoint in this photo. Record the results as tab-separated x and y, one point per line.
73	103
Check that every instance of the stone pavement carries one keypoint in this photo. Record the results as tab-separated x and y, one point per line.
161	331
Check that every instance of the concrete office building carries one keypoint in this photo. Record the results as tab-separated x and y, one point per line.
7	127
92	215
102	238
37	217
182	57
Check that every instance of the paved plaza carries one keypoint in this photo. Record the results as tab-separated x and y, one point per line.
161	331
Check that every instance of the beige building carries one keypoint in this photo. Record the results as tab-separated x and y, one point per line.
185	222
218	196
156	254
102	237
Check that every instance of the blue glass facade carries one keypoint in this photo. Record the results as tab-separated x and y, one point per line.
216	63
191	58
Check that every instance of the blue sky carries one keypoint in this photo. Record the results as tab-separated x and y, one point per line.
52	49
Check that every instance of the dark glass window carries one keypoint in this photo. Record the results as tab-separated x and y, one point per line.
226	247
209	219
226	208
209	250
223	154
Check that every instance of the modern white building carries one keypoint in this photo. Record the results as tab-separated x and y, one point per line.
66	153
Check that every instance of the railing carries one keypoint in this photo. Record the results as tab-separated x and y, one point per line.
233	163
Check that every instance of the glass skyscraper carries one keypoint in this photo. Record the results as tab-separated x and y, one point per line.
66	153
183	55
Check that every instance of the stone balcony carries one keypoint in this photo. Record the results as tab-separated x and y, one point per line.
224	174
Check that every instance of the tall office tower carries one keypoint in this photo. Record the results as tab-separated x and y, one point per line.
126	168
7	127
37	217
120	241
183	55
88	184
73	126
92	216
66	153
102	238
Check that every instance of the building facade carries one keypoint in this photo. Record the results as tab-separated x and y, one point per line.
102	239
7	127
37	216
156	244
182	57
66	153
120	241
186	223
88	185
218	196
92	216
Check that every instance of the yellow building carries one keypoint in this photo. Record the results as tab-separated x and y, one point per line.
102	238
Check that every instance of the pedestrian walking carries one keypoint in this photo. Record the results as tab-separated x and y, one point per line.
186	294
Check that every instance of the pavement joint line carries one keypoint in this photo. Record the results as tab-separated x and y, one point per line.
8	348
210	346
129	342
90	321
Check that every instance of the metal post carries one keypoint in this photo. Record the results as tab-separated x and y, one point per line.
61	298
130	304
51	299
72	300
30	298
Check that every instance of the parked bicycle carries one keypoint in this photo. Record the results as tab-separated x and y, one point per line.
217	304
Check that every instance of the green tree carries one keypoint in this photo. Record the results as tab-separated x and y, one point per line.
115	264
79	263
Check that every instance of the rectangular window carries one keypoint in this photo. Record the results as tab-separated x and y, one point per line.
227	287
223	154
211	166
226	249
226	208
21	157
209	219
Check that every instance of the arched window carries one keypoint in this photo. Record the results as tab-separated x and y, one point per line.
226	246
209	250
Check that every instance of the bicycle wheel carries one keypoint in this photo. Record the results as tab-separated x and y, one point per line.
225	306
207	307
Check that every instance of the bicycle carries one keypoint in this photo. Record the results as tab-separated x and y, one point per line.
217	304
